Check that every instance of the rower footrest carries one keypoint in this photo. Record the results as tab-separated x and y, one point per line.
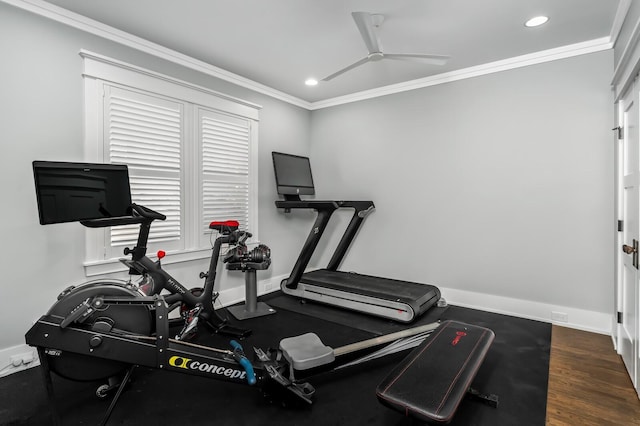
431	381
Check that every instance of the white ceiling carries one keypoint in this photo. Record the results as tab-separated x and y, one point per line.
280	43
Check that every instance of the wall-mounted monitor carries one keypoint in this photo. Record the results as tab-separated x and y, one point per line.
69	192
293	175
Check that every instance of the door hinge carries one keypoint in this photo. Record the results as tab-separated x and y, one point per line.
620	132
619	317
620	225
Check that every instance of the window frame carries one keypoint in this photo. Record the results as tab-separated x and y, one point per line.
100	71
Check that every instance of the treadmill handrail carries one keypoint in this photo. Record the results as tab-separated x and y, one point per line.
324	204
324	209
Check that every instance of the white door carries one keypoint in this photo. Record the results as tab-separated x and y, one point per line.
629	178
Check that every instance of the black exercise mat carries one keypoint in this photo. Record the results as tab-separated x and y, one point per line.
516	368
369	323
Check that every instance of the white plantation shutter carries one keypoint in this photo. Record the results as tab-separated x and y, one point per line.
225	168
161	195
191	154
145	132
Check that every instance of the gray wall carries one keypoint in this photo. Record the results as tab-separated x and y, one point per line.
41	108
500	184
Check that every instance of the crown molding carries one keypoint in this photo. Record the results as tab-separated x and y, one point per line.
618	20
577	49
91	26
628	64
83	23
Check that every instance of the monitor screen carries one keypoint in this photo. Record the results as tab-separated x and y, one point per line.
293	175
69	192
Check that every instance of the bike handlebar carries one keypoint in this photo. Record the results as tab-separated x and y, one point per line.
140	214
244	236
147	212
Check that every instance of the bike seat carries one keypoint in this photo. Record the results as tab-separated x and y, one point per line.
224	227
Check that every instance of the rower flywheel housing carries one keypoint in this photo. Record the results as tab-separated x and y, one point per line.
136	319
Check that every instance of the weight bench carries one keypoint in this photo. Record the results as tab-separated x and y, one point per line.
431	381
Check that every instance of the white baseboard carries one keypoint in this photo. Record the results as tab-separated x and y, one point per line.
581	319
597	322
24	356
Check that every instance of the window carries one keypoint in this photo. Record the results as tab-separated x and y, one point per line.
225	168
191	155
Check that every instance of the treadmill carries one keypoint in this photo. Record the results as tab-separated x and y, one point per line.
401	301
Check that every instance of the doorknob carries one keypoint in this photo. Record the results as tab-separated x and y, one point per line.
632	250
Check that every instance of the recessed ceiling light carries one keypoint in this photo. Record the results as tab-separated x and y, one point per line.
534	22
311	82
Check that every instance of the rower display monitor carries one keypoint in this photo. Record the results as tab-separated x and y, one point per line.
70	192
293	175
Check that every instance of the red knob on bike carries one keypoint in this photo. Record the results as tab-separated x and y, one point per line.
161	254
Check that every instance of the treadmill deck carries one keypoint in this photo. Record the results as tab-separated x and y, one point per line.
399	300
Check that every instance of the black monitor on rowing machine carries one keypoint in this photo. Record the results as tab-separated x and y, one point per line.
70	192
293	175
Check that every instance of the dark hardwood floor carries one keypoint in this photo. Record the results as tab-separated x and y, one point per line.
588	383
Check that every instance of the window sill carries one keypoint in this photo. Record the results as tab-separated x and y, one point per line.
110	266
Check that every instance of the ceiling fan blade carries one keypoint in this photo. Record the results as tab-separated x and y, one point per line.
431	59
364	21
350	67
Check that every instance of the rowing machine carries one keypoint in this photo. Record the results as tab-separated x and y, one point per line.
103	341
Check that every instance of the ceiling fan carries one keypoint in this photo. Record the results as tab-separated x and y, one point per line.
367	23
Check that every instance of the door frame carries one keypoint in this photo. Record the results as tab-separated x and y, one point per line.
621	135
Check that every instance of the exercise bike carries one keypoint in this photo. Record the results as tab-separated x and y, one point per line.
196	305
102	329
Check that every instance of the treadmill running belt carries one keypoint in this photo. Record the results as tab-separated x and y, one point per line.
367	285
